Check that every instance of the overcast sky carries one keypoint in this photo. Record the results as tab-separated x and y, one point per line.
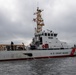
16	19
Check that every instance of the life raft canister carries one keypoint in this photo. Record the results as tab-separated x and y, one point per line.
43	46
46	46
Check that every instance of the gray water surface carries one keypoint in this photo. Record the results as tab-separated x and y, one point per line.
49	66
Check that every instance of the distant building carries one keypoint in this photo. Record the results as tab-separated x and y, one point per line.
15	47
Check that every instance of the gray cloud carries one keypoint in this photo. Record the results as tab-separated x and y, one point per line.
16	21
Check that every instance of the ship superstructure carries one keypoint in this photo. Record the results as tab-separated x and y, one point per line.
45	39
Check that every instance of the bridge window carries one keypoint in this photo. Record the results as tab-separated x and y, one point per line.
51	34
45	34
55	35
48	34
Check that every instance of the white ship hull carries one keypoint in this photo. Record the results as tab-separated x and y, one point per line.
36	54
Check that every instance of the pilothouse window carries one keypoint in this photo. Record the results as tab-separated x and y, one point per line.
48	34
45	34
51	34
55	35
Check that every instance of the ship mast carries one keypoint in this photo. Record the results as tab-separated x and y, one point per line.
38	20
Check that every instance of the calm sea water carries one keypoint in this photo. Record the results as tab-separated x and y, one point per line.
49	66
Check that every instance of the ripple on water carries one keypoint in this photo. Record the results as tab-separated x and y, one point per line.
50	66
